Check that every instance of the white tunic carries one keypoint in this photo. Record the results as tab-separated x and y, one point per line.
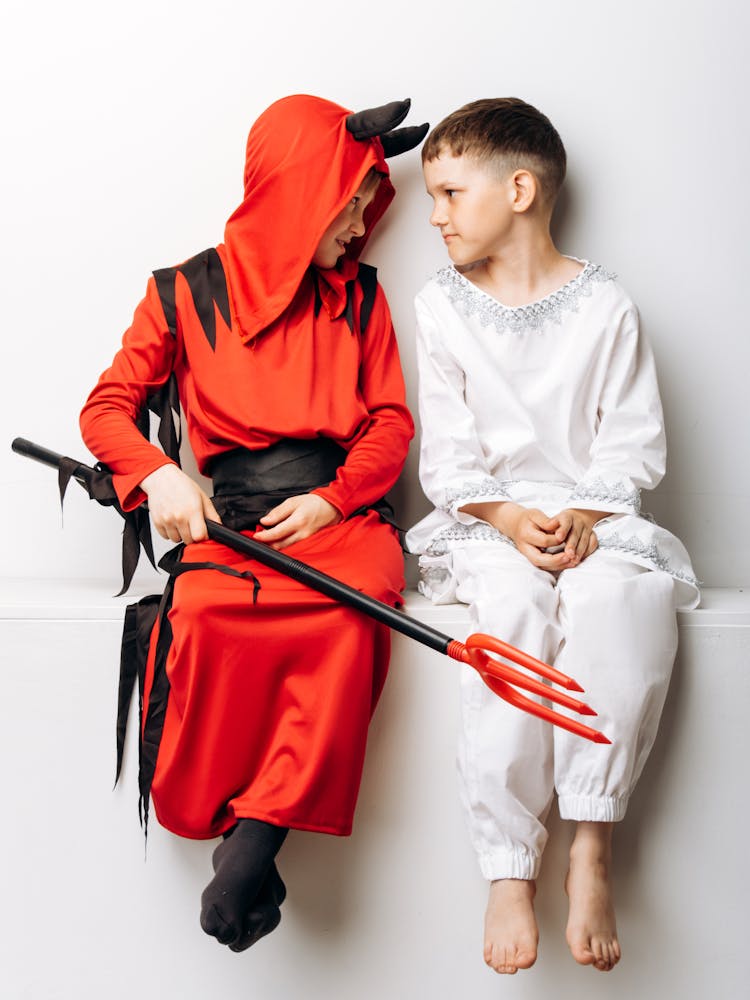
552	405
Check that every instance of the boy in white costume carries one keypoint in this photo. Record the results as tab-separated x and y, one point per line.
541	424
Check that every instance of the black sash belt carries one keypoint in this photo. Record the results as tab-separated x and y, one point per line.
247	484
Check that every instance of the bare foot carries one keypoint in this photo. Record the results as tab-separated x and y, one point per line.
592	931
510	932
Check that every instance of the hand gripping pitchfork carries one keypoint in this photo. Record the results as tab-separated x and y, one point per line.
499	676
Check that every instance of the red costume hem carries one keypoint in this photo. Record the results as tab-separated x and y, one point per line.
344	830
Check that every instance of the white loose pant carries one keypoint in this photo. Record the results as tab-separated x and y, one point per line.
612	626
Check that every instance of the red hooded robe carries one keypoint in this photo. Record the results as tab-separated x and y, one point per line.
269	703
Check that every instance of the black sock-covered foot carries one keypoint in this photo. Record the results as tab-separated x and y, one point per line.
241	862
273	889
261	920
265	914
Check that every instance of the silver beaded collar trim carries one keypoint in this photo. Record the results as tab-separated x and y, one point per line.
647	551
603	492
519	319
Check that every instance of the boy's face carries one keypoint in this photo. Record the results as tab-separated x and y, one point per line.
347	224
472	206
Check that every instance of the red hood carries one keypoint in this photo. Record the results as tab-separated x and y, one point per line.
302	167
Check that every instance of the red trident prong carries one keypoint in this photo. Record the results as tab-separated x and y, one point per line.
504	679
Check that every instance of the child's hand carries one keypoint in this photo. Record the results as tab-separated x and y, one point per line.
178	507
574	529
296	518
532	532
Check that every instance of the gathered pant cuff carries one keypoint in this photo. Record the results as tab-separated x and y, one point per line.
518	863
592	808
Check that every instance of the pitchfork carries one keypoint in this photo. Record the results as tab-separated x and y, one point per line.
499	676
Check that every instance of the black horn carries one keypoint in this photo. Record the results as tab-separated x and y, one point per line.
403	139
375	121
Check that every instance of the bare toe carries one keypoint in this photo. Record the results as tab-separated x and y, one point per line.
592	931
510	930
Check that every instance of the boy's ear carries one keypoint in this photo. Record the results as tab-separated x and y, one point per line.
524	190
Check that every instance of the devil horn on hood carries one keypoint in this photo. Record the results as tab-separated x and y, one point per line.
375	121
403	139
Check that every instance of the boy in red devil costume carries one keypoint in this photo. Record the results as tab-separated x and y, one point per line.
279	346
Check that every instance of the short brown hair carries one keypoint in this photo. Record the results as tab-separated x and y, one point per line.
507	131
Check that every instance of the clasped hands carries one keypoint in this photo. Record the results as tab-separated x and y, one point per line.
535	534
179	510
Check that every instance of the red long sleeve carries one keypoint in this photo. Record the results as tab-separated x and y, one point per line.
107	422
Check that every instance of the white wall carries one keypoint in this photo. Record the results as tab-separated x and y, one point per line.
124	130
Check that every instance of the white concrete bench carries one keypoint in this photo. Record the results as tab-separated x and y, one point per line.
396	910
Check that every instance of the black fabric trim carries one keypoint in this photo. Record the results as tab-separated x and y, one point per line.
201	275
368	279
207	282
218	283
165	286
165	403
349	308
136	532
151	730
186	567
140	620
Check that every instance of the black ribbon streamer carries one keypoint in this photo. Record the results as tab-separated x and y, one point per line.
140	620
136	532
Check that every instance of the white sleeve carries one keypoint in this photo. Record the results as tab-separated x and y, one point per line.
628	453
452	467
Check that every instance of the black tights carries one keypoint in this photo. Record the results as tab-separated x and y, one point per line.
241	903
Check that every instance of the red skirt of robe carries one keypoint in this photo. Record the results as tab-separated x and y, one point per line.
269	703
